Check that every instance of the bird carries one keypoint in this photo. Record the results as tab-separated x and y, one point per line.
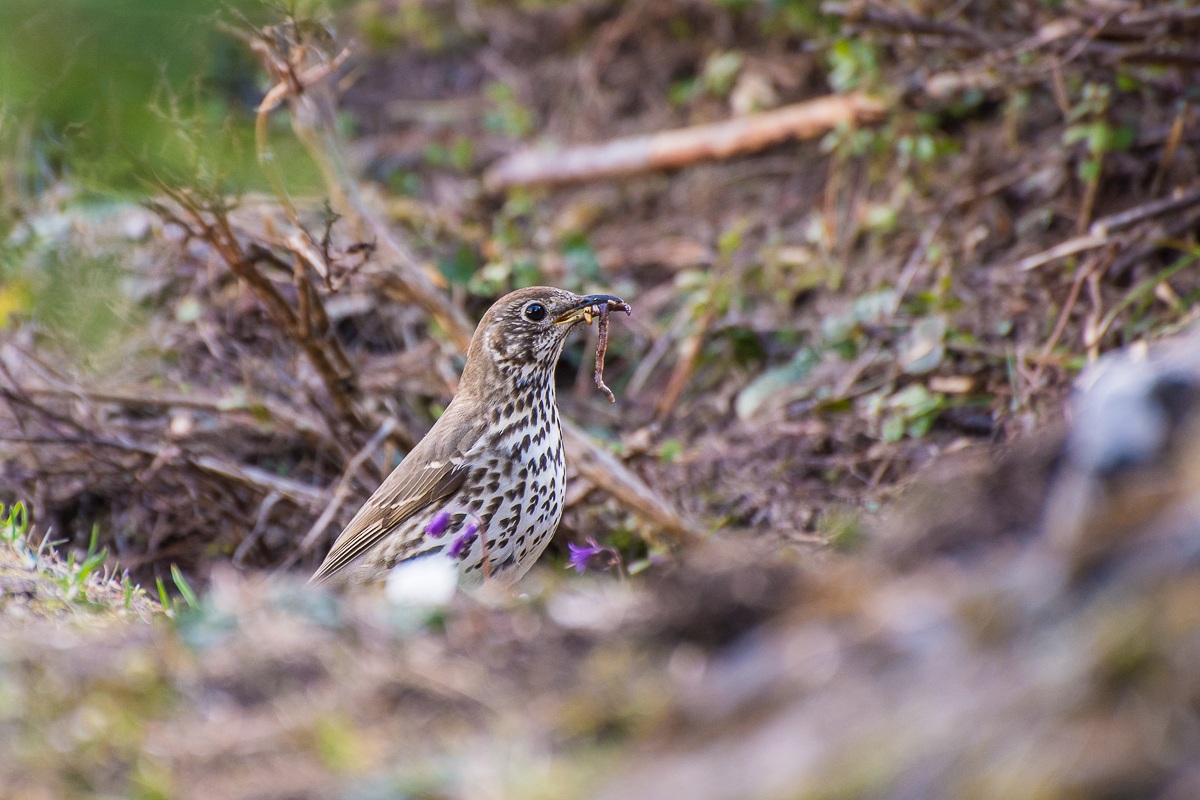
485	487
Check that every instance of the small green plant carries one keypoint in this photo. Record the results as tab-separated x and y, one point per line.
171	604
670	451
74	579
507	115
405	183
582	263
389	26
1090	125
799	16
460	266
909	412
853	64
720	71
458	155
14	522
842	528
512	258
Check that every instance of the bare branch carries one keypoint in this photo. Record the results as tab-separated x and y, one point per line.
682	146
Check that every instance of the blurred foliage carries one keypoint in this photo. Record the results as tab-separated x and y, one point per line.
77	294
98	101
120	92
386	26
506	114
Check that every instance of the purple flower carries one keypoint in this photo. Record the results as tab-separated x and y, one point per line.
458	548
437	526
593	556
580	557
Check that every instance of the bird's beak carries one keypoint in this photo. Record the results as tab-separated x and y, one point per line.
587	306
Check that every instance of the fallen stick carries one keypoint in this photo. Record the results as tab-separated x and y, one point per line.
1101	230
301	494
273	410
1178	201
682	146
1070	247
857	13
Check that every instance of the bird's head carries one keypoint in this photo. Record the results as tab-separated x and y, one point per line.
523	332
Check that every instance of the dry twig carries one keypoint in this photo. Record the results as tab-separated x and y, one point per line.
682	146
305	323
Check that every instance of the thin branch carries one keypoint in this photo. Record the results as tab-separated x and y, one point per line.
299	493
1178	201
683	146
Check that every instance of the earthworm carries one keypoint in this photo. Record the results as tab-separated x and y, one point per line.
602	346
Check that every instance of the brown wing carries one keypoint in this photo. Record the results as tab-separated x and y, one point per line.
434	470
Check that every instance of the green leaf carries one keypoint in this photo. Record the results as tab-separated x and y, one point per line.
913	399
670	450
729	241
525	273
184	588
460	267
1127	82
775	381
507	115
93	560
437	155
1098	137
881	218
16	524
721	70
920	426
462	154
1121	138
892	429
683	92
581	260
164	599
923	348
405	183
1076	133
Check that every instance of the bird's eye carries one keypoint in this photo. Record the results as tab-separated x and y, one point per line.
534	312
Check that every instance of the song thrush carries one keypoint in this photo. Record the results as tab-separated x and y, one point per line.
485	486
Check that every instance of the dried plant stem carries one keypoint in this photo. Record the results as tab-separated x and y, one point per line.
306	323
276	411
299	493
683	146
313	110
